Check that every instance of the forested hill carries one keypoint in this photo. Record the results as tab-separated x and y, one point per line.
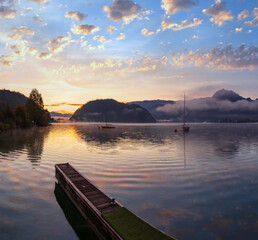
13	99
152	105
18	111
223	106
112	111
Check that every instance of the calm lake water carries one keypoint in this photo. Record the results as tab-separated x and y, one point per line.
199	185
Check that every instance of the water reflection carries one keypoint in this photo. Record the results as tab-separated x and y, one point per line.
189	186
95	136
184	148
31	140
77	222
224	140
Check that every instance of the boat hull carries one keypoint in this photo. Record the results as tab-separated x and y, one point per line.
185	129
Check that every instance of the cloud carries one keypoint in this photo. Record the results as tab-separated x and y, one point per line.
8	2
40	1
20	48
173	6
146	32
164	60
84	44
111	29
36	18
101	39
32	50
15	35
13	47
113	67
120	37
64	103
91	47
76	15
167	25
85	29
24	30
145	64
169	77
210	104
227	58
244	14
5	76
218	12
7	12
44	55
6	60
58	44
237	30
254	22
123	10
75	104
106	64
184	24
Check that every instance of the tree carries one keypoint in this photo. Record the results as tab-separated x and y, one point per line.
8	117
21	117
35	109
36	98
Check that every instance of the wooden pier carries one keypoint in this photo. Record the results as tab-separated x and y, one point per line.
107	217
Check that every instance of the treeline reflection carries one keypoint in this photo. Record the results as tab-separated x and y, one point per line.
29	140
139	134
223	139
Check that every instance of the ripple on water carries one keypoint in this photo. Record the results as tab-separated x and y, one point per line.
177	182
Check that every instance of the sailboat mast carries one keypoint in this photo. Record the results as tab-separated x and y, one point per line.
184	108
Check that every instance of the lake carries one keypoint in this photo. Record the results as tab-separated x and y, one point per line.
198	185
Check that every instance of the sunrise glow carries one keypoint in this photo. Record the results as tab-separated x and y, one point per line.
73	52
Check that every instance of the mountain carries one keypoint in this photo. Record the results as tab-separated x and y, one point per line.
223	106
57	114
112	111
229	95
13	99
152	105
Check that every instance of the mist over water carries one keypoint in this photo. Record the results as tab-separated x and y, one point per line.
200	185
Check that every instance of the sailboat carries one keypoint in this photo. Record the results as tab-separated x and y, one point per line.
185	128
107	126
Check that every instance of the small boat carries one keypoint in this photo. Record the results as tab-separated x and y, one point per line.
185	128
107	126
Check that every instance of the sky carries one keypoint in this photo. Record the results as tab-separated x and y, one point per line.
77	51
